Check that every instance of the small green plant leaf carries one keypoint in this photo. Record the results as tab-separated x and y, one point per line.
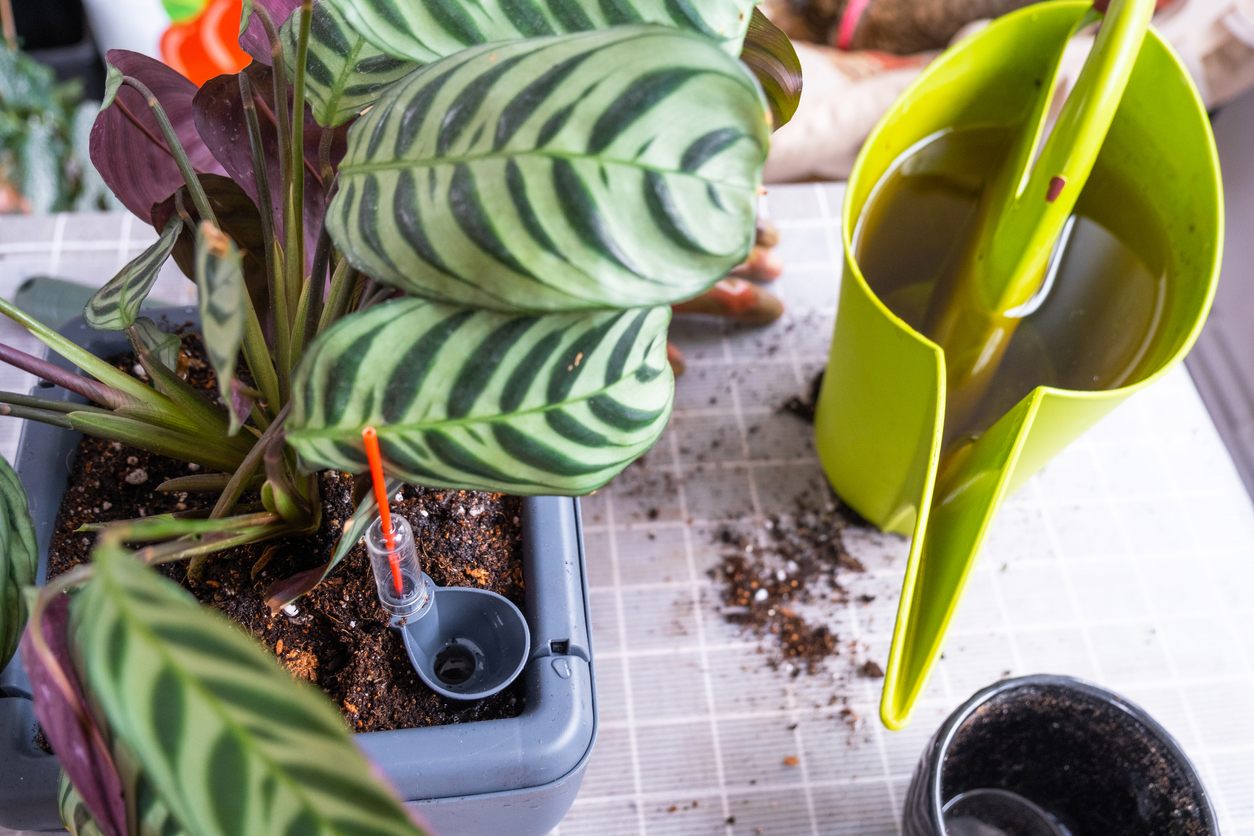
495	179
113	82
223	305
768	52
434	29
163	345
344	73
230	742
75	816
19	560
480	400
116	305
245	16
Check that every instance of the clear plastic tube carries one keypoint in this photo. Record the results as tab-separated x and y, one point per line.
416	595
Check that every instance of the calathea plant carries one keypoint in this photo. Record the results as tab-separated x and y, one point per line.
462	223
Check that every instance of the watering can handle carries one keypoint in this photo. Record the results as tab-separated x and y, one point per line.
1034	201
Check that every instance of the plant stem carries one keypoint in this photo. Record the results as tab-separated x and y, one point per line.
261	177
176	148
308	323
257	355
49	404
342	282
90	389
296	227
208	544
325	170
287	165
235	487
43	416
209	420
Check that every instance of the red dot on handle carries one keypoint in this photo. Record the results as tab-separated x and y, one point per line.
1055	188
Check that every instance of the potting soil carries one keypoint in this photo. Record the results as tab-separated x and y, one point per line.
336	636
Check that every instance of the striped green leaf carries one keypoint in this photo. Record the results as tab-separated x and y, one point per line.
151	815
480	400
163	345
77	819
223	305
229	741
427	30
116	305
770	55
344	73
610	169
19	560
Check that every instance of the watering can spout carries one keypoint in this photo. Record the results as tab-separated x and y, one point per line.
881	417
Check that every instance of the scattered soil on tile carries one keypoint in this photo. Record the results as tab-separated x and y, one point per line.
337	636
1093	765
789	559
803	407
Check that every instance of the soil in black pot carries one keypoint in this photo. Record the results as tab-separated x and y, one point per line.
1098	769
337	636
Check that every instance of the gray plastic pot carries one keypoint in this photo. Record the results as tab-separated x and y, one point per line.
517	776
1094	763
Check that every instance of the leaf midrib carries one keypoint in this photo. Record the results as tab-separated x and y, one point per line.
388	429
215	704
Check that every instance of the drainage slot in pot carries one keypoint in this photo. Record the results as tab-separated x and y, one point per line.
560	647
454	664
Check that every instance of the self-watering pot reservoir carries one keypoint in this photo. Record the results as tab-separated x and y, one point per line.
465	644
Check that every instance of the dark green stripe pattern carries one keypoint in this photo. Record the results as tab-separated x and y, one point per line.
154	818
231	744
344	73
427	30
223	305
482	400
603	170
19	560
115	306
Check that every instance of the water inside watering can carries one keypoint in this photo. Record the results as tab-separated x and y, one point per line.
1096	324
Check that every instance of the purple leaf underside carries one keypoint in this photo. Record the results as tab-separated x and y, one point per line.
219	115
254	40
68	723
127	146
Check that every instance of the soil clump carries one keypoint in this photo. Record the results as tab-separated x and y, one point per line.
787	561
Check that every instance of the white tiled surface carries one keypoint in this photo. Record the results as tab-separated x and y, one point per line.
1129	561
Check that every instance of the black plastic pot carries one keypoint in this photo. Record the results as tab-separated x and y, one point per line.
1094	763
517	776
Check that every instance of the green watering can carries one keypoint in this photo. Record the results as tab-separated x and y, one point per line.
880	416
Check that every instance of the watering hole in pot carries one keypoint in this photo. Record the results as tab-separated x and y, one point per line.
455	664
1091	765
1097	324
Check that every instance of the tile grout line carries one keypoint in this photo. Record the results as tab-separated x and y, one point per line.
628	702
699	628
